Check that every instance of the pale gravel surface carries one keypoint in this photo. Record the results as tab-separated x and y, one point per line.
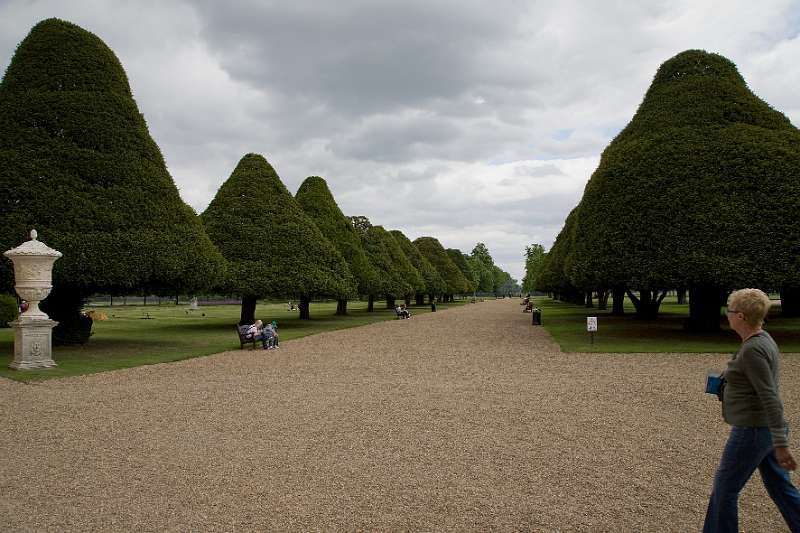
468	419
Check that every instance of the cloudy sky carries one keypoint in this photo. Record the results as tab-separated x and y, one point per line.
465	120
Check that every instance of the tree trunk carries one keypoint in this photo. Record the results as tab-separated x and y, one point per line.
371	303
618	301
589	302
575	296
431	298
681	294
408	300
602	299
647	303
704	308
111	303
305	302
790	301
248	314
420	299
341	307
64	305
390	302
176	300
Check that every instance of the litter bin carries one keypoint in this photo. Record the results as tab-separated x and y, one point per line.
536	316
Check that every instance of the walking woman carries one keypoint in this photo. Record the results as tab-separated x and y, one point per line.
751	404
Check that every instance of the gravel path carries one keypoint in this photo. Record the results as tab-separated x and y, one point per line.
468	419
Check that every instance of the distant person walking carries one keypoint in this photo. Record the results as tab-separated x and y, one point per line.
751	404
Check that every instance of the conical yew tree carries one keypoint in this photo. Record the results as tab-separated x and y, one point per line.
79	165
434	252
460	260
700	190
413	281
433	282
317	201
388	260
272	247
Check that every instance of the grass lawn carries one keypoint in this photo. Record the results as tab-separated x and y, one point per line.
626	334
129	338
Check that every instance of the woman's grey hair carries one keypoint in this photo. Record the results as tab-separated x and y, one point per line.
752	303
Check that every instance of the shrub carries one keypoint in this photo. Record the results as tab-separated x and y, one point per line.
8	310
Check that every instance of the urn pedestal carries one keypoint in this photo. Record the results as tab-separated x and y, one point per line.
33	330
33	341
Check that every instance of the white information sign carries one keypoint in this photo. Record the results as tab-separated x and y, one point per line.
591	323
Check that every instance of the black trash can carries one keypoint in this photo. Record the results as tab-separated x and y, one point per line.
536	316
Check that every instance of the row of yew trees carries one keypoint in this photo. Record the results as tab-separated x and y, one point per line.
79	165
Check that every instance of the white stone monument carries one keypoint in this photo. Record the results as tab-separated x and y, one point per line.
33	330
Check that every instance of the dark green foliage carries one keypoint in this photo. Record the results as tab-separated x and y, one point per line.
409	274
272	247
433	251
64	304
700	190
398	277
477	269
534	262
484	265
433	282
8	309
460	261
318	203
79	165
554	277
504	284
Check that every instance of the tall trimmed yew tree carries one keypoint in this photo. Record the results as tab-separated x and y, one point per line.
394	269
433	251
272	247
317	201
700	190
78	164
433	282
460	260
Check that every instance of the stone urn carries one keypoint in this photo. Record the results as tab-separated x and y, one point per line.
33	280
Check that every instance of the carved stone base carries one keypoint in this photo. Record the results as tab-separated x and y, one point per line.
33	343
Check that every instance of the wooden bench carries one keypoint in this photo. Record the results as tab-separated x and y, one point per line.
244	338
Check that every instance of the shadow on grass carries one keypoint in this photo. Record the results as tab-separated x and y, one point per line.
627	334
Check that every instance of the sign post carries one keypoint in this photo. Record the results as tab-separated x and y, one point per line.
591	327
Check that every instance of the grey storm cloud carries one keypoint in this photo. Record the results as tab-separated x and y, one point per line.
395	138
361	57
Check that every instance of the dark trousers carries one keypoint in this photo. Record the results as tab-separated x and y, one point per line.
749	448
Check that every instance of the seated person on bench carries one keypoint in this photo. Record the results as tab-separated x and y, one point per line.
270	331
257	332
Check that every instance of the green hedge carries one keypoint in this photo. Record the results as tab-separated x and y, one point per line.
9	311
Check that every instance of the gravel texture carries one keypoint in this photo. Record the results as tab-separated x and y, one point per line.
467	419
